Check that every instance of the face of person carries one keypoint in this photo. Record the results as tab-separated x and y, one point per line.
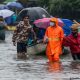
75	32
52	24
26	19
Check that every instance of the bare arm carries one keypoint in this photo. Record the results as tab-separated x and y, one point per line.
76	22
45	40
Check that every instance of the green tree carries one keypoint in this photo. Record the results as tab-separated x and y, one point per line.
44	3
1	1
65	8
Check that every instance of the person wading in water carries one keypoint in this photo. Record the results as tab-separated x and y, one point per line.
21	35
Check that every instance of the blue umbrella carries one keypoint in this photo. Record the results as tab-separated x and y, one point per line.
15	5
67	25
3	7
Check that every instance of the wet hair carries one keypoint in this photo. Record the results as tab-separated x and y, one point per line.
24	16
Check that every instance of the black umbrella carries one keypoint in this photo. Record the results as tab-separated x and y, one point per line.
34	13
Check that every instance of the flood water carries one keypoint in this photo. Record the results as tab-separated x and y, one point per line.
36	67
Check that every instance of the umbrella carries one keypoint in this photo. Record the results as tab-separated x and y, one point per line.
3	7
6	13
15	5
44	23
34	13
60	22
67	25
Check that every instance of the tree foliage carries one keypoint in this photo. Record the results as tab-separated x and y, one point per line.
63	8
1	1
44	3
66	8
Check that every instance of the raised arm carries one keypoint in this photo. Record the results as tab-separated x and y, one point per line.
76	22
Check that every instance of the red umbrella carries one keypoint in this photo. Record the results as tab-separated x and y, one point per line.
44	23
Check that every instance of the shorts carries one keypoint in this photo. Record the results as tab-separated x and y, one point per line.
21	47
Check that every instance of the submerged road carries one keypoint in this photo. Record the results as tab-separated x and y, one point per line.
34	68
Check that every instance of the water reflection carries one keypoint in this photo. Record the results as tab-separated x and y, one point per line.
75	65
54	67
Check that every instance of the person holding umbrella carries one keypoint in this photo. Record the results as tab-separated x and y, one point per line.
21	35
53	37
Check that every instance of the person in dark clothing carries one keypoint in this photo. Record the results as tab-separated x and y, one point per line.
3	27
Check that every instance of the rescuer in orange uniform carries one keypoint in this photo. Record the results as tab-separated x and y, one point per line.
53	37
